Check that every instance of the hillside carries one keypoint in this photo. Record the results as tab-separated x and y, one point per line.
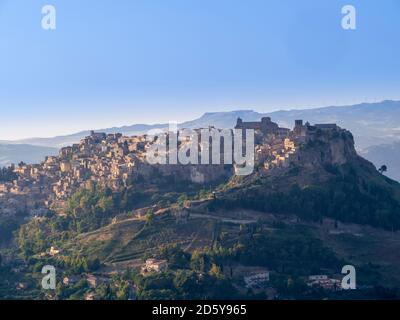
385	154
321	207
327	178
372	124
356	244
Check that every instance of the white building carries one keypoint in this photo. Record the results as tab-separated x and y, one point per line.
256	279
318	277
154	265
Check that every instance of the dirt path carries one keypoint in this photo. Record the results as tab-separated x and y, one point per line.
228	220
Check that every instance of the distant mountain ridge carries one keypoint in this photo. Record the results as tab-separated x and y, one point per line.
388	154
15	153
62	141
372	124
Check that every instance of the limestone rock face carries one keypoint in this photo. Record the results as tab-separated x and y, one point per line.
199	174
342	149
326	147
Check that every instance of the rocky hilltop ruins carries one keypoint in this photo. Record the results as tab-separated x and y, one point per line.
116	161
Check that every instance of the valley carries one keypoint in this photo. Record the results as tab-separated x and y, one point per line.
116	227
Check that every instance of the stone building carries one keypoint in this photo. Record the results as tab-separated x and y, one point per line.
266	126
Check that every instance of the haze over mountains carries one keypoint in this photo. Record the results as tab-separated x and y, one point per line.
15	153
375	126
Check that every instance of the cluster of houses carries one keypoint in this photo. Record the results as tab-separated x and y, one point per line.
98	158
323	281
153	265
112	159
275	146
256	280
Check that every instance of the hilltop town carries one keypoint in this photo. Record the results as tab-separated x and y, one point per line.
115	161
145	222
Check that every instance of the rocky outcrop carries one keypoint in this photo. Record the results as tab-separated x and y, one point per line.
335	147
199	174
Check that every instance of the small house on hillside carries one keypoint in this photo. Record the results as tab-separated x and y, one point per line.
154	265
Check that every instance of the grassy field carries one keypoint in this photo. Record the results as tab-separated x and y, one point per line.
375	252
132	239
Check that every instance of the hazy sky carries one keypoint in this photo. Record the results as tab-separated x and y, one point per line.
120	62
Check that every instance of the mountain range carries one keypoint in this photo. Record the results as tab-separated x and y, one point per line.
375	126
323	207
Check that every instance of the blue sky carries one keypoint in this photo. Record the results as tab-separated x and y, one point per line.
120	62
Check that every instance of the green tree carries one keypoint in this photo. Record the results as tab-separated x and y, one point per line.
149	217
123	290
105	204
216	272
383	169
197	261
